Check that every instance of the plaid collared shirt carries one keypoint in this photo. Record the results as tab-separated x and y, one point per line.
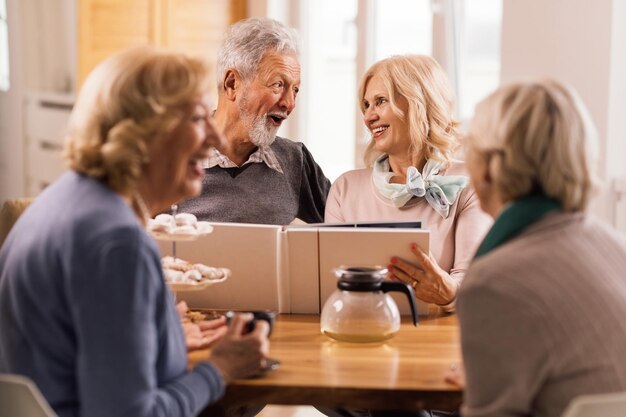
263	154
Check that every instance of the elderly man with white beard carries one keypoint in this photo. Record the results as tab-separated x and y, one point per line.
252	175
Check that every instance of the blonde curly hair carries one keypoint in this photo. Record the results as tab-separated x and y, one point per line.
128	101
423	83
537	137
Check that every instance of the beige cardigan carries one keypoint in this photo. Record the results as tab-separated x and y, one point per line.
543	319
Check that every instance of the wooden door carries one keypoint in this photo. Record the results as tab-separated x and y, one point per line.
191	26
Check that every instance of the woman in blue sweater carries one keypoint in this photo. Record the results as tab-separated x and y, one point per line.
84	309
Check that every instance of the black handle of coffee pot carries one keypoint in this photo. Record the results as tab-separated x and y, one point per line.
387	286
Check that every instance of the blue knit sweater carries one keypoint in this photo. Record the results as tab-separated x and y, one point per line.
85	313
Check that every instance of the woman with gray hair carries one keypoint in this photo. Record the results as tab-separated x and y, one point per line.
84	309
542	306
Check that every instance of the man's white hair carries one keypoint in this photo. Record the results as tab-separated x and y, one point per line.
246	43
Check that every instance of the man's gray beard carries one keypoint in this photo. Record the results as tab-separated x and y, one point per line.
260	134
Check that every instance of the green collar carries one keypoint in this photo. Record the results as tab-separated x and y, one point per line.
514	219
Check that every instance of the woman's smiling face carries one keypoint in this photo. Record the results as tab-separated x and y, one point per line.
390	133
175	167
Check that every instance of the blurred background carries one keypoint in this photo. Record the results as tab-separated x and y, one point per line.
48	46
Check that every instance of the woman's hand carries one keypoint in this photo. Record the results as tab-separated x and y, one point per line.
240	355
430	283
202	334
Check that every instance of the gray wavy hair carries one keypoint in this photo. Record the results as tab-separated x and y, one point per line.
537	136
246	43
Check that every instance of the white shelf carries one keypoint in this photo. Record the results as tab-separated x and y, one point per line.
45	117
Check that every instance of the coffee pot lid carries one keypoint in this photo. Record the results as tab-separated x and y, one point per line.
360	278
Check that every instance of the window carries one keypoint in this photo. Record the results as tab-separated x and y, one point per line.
4	47
402	27
342	38
329	79
478	70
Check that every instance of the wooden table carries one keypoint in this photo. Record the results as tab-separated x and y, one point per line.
405	372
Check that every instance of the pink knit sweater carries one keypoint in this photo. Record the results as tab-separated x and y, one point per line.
453	241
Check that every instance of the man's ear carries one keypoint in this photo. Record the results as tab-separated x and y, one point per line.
231	84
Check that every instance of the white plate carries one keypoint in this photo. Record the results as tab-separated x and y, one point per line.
179	237
181	286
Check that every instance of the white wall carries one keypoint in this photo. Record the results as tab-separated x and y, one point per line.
42	59
48	34
616	135
580	42
11	149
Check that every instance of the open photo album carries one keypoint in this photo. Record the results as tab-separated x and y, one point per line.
290	269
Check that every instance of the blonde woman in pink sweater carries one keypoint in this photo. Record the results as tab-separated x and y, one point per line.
407	107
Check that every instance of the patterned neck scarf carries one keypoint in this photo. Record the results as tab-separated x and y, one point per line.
440	191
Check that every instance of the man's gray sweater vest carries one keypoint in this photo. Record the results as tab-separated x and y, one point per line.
255	193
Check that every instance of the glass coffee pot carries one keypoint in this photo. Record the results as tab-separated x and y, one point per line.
360	310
